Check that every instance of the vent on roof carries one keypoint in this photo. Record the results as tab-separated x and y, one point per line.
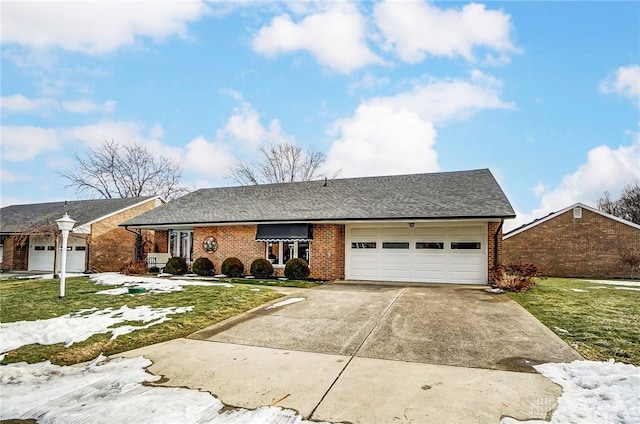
577	212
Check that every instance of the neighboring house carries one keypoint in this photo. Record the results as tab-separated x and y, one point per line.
440	227
578	241
30	237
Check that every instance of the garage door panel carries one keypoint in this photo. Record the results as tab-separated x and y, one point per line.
420	254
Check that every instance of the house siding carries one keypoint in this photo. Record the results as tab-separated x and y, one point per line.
564	246
109	245
327	248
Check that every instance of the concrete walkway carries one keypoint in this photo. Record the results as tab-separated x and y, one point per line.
365	353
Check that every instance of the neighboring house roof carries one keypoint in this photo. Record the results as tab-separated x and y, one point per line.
552	215
23	218
445	195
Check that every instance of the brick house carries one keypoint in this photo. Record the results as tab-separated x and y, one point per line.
439	227
578	241
30	238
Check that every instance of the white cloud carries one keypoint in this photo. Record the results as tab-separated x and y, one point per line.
380	140
396	135
625	82
539	188
87	106
11	177
21	143
244	126
23	104
606	169
208	158
20	103
95	27
368	82
335	36
417	28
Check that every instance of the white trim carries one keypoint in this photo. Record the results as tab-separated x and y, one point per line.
560	212
86	227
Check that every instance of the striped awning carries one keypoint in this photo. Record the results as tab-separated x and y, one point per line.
284	232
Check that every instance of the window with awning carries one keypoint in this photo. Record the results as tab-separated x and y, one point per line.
284	232
285	241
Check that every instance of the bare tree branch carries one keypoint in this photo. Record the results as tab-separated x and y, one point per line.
626	207
113	171
280	163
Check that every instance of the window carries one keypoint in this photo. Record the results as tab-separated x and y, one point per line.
577	212
181	244
466	245
395	244
279	252
80	248
51	248
363	245
38	247
438	245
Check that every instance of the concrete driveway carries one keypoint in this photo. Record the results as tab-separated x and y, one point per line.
369	353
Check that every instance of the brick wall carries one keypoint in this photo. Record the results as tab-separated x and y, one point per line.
232	241
109	245
566	247
14	257
491	245
161	241
327	252
327	248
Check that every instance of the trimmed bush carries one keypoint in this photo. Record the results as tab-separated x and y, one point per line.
232	267
261	268
133	267
177	266
154	270
203	266
296	269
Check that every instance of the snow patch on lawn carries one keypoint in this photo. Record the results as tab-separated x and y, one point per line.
580	291
79	326
286	302
151	284
615	283
593	392
47	276
114	392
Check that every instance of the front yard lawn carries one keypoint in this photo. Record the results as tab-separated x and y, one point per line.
599	321
31	300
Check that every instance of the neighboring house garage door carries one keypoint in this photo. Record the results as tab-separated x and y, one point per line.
42	253
453	254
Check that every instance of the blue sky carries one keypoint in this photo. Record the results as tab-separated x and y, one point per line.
545	94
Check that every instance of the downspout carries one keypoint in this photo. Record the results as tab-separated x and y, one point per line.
137	254
496	260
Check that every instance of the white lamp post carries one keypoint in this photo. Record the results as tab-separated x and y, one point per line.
65	224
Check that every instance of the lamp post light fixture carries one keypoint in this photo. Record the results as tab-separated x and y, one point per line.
65	224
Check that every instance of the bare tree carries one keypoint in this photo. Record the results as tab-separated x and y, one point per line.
626	207
114	171
280	163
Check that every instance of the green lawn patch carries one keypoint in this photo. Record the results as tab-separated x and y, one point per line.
599	321
303	284
30	300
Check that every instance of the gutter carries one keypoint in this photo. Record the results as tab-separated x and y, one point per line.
138	244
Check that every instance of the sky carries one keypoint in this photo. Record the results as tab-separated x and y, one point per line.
544	94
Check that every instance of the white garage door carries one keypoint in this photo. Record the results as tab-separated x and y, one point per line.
455	254
42	253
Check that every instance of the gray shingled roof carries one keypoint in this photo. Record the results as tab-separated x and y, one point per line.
444	195
21	218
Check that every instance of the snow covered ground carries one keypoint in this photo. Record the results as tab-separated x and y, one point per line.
593	392
151	284
115	392
79	326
